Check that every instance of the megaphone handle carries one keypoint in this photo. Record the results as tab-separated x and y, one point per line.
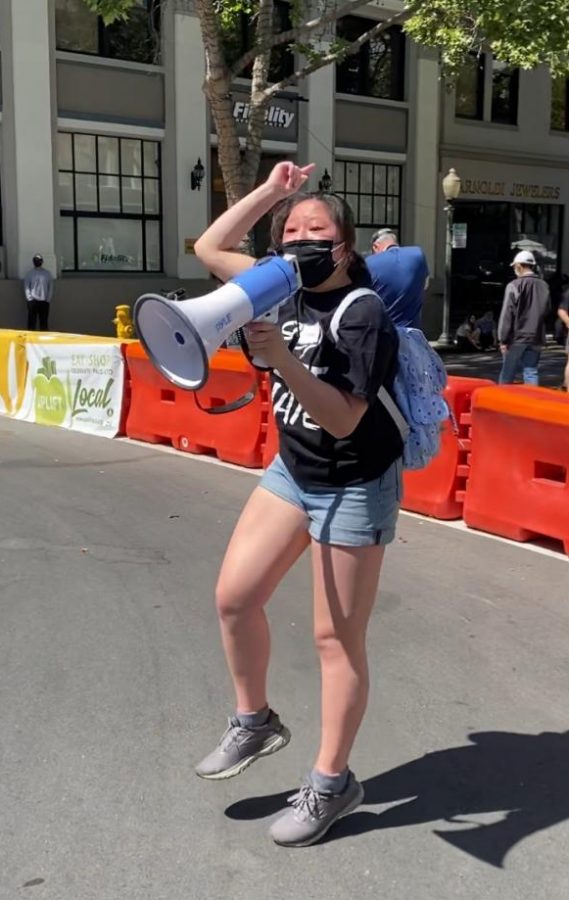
271	316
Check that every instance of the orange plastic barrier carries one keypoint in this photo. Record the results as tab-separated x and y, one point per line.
162	413
438	489
519	477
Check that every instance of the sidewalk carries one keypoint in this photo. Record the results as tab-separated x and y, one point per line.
488	365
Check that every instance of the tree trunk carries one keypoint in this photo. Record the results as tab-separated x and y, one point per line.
217	88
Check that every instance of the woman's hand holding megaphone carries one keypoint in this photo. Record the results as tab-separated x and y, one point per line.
287	178
265	341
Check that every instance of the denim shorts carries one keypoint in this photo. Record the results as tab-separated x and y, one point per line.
360	515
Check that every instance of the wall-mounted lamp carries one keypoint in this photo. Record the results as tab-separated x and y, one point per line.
197	175
325	183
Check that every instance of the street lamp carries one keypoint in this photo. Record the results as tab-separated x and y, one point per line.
325	183
196	176
451	190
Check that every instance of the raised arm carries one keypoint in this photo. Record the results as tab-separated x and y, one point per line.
216	247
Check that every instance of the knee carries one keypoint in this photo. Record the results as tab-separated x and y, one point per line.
336	646
231	601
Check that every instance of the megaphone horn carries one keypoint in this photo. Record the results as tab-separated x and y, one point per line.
181	336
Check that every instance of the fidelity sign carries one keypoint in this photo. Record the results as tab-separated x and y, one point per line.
275	116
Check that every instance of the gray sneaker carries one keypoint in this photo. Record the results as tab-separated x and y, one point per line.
312	814
239	747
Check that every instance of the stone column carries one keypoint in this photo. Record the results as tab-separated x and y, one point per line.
28	79
187	140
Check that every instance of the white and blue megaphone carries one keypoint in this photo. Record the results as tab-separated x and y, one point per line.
181	336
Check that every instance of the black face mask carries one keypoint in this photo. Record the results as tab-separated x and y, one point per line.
315	260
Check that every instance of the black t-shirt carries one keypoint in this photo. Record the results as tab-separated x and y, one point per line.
363	359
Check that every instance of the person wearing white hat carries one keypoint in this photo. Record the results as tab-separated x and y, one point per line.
521	329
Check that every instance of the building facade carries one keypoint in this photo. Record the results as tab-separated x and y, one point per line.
108	156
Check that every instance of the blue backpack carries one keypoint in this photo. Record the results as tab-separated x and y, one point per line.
419	408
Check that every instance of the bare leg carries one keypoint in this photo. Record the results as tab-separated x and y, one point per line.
345	587
268	539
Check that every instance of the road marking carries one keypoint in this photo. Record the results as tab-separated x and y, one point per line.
457	525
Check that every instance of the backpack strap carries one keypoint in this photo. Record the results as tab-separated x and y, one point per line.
383	394
343	306
390	405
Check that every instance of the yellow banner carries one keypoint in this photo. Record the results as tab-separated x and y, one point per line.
14	360
13	370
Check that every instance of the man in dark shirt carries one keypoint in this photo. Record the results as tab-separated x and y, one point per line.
400	276
521	329
563	313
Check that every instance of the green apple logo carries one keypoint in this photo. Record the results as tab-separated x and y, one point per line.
50	400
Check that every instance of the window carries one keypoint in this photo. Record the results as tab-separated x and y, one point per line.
538	227
377	69
560	104
110	204
374	194
242	38
505	86
469	89
79	30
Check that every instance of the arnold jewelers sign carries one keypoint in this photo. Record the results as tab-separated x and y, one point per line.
482	180
281	116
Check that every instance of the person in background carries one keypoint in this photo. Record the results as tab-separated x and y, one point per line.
563	314
468	335
38	287
400	275
521	329
487	334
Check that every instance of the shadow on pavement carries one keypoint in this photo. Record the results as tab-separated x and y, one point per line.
521	778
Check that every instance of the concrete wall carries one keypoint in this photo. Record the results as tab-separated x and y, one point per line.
531	137
369	126
28	190
111	93
87	306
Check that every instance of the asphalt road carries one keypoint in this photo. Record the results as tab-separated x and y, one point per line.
112	685
488	365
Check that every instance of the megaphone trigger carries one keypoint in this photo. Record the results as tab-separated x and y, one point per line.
181	336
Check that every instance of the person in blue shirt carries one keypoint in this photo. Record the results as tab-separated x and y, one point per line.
400	275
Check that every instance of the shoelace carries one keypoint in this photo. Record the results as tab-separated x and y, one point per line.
308	802
231	735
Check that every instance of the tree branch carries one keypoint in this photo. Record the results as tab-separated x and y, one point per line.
260	75
290	36
336	55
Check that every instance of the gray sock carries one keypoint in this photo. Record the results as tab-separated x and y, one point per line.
255	719
328	784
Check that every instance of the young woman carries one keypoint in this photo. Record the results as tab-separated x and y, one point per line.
335	487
